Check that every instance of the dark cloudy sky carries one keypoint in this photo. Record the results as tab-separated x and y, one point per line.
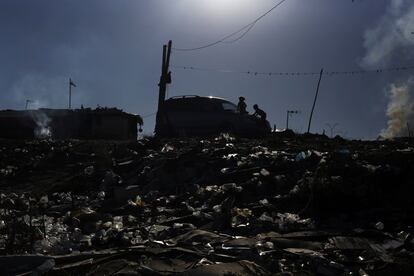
112	51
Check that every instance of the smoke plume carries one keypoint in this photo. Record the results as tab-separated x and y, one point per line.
400	110
42	130
391	38
391	41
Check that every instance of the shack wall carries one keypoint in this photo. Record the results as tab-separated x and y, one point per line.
69	124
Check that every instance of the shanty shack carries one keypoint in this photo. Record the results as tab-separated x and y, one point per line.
85	123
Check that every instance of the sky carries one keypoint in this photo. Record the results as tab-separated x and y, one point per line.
112	51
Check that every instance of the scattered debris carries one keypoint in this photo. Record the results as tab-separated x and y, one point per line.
304	205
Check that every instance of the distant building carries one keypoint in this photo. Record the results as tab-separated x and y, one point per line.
85	123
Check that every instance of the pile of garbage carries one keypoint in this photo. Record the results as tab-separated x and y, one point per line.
283	205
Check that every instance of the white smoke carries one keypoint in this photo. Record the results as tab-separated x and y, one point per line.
42	130
392	36
392	40
400	110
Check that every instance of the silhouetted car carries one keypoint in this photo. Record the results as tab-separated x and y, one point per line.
196	115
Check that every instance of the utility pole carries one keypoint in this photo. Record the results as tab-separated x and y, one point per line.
70	94
164	80
288	113
71	83
314	101
27	103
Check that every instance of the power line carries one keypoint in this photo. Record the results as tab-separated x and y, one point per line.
242	35
297	74
246	28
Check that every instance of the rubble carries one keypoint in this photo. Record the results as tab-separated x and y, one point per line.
281	205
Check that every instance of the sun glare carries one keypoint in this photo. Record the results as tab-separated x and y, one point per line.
224	6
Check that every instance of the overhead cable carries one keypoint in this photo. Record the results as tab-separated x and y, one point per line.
246	29
242	35
328	73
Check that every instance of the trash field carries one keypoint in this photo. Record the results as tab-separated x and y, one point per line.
282	205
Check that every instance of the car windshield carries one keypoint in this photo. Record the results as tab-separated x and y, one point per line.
229	106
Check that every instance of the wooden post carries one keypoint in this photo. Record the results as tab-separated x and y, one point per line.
287	119
167	63
161	84
314	101
70	94
164	80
